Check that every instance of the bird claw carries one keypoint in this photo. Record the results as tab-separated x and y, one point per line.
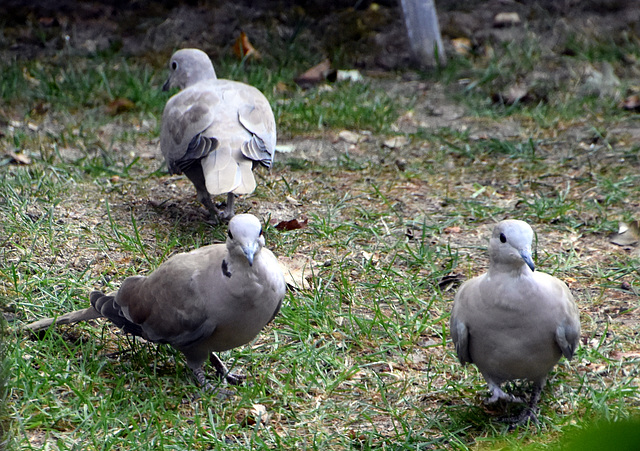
527	416
217	391
234	378
229	209
506	399
218	217
214	218
498	395
225	215
231	378
223	373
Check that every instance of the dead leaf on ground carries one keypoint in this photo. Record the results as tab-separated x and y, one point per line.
257	415
371	257
350	137
293	201
119	106
509	19
462	46
292	224
29	78
297	270
282	87
48	21
619	355
19	158
243	48
352	75
631	103
39	109
317	74
628	234
516	93
396	142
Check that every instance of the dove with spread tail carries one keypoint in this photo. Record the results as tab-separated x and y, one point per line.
215	131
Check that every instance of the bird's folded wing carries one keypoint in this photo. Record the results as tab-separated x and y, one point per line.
460	337
568	331
457	325
255	114
172	305
185	117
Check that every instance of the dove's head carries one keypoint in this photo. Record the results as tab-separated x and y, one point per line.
510	244
245	238
187	67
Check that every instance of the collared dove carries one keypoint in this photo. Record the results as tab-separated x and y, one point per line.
512	322
212	299
215	131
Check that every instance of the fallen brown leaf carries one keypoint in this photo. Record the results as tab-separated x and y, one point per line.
39	109
462	46
628	234
297	270
19	158
370	257
619	355
119	106
350	137
243	48
48	21
506	19
396	142
515	93
631	103
259	415
317	74
292	224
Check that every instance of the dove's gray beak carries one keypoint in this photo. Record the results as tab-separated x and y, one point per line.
167	84
250	252
526	256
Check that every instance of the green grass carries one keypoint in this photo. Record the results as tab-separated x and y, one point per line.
362	359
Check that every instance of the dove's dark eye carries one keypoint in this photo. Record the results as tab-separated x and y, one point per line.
260	231
230	234
503	239
174	65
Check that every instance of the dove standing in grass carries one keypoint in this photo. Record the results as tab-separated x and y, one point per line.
514	322
211	299
215	131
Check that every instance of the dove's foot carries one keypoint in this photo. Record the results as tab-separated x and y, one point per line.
229	209
219	392
527	416
214	213
223	372
498	395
